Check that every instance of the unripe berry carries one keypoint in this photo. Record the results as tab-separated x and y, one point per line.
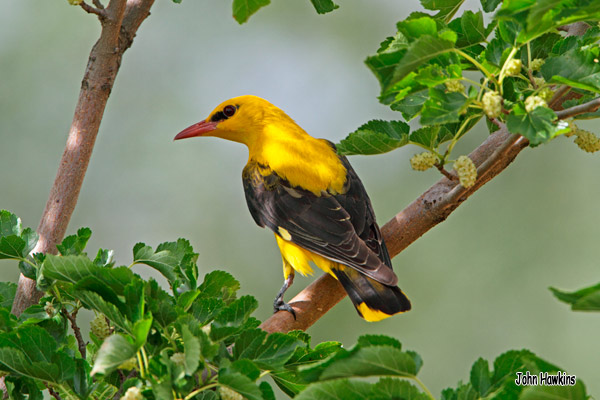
533	102
454	86
492	104
99	327
537	64
546	94
423	161
75	2
587	141
572	129
467	173
513	67
539	82
133	393
228	394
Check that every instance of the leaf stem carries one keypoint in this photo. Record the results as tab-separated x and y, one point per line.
202	389
477	64
425	389
501	76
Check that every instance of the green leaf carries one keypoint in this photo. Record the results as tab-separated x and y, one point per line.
418	53
94	301
375	137
447	8
191	350
240	383
410	106
115	350
339	389
490	5
206	309
15	242
545	392
363	360
219	284
104	258
268	352
480	376
243	9
443	108
324	6
390	388
267	391
587	299
10	224
414	28
538	125
32	352
429	136
161	260
470	29
7	294
75	244
575	68
229	321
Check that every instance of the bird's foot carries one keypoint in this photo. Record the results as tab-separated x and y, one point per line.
280	305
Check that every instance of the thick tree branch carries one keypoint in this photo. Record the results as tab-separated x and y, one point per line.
431	208
590	106
120	21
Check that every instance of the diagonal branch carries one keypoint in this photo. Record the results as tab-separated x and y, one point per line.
121	20
431	208
590	106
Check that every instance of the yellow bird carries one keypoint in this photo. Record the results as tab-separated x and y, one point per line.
313	201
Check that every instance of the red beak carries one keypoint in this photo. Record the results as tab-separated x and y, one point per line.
198	129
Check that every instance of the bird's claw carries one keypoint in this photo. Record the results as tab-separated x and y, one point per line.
280	305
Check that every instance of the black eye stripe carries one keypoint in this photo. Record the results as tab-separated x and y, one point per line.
227	112
218	116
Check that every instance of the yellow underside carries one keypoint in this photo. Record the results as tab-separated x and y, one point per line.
295	258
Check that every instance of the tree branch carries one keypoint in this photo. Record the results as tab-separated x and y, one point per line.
100	12
590	106
431	208
123	18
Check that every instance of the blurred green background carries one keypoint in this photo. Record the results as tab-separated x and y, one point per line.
478	282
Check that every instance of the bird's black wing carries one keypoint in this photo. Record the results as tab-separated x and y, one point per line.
339	227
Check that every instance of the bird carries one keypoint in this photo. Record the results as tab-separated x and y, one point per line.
300	188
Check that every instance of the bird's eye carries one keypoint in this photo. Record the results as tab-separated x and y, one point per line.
229	111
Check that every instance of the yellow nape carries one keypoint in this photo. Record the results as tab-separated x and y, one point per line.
274	140
299	259
371	315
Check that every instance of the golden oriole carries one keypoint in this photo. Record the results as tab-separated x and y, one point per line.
313	201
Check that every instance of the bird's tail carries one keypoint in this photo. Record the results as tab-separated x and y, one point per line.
374	301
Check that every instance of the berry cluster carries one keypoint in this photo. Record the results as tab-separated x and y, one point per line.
492	104
467	173
423	161
99	327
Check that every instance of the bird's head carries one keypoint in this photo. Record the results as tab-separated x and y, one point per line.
240	119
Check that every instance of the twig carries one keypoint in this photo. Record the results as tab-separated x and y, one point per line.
52	392
98	4
76	331
590	106
560	92
431	208
447	174
100	12
123	20
124	378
